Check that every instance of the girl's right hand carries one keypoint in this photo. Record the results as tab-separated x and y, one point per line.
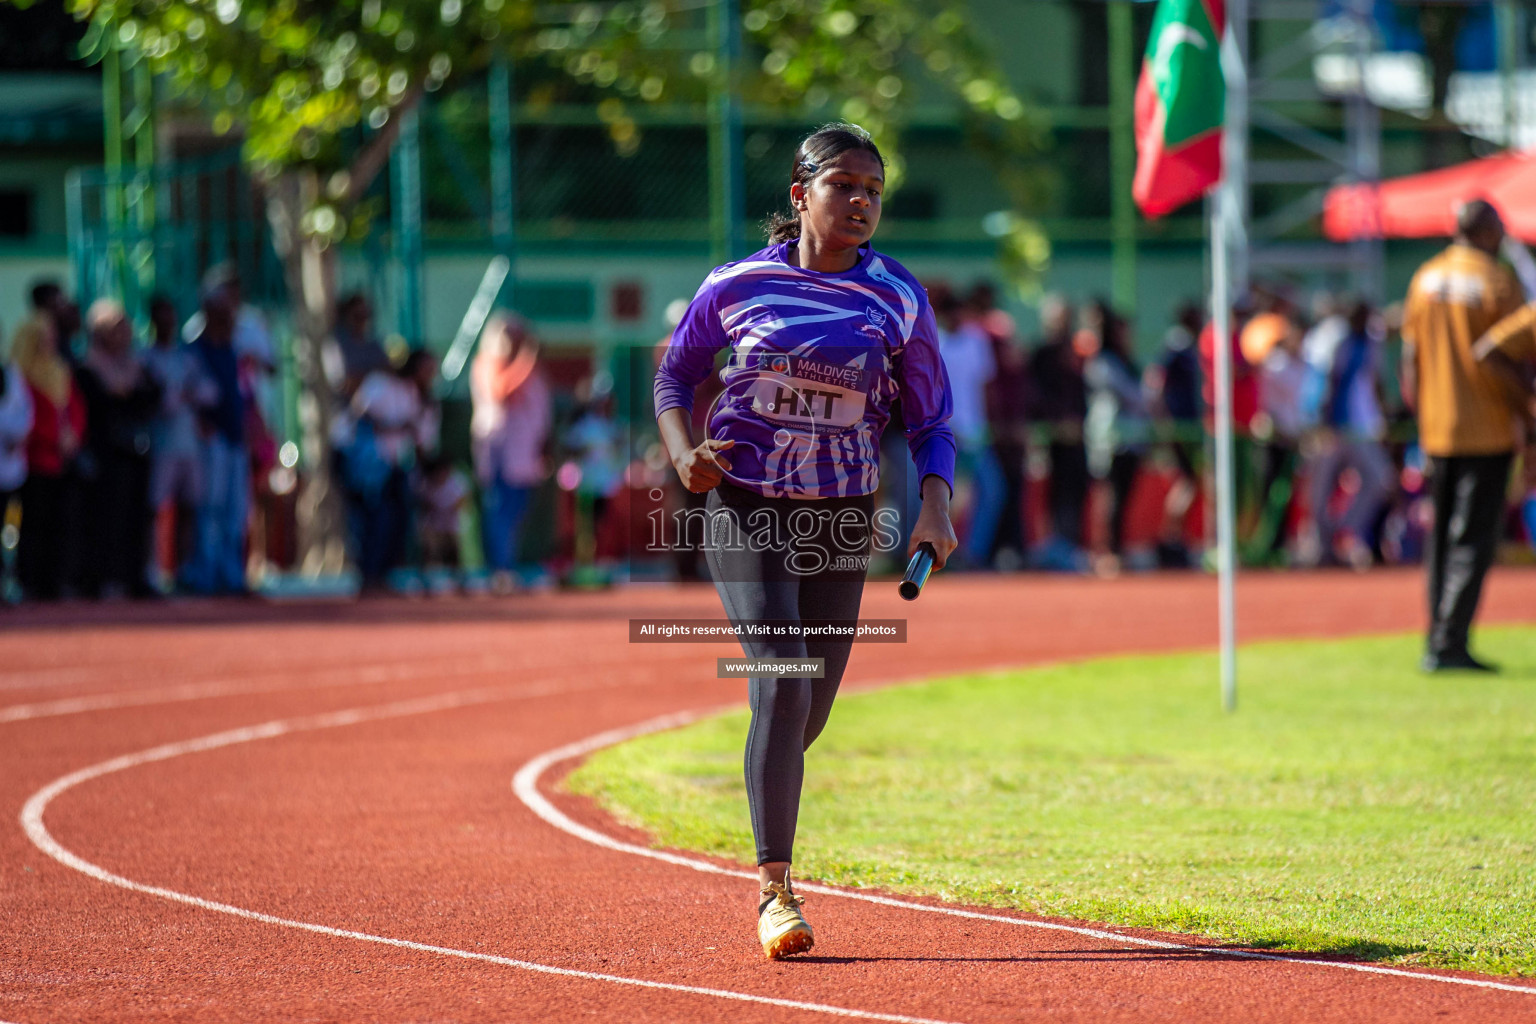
703	467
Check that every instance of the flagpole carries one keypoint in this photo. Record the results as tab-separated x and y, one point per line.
1227	232
1221	315
1177	74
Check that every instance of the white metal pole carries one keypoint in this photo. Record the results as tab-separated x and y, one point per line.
1227	232
1226	563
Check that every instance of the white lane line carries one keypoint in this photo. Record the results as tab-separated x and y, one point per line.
37	805
526	785
354	676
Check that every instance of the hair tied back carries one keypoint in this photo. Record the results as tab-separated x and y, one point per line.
815	151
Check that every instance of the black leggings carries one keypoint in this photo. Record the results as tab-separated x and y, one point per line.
818	577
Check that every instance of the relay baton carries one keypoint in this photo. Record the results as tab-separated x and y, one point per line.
917	572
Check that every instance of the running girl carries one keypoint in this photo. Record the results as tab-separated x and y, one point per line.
824	334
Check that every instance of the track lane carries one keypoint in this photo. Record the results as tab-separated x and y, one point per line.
405	880
532	786
37	831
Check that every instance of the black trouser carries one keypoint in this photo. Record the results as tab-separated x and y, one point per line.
384	525
1010	528
1069	489
48	552
761	576
1123	470
1468	492
119	528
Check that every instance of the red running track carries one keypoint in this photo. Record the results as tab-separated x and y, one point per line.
363	857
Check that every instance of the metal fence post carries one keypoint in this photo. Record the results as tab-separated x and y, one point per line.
503	170
406	181
725	168
1122	156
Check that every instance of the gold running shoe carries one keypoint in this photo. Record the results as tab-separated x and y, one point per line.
781	926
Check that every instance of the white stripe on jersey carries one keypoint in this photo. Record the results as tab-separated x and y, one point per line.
730	314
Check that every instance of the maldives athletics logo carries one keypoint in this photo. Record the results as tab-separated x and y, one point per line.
1180	106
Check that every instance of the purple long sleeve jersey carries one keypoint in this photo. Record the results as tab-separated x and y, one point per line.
816	360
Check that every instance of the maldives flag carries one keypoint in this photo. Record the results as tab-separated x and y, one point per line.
1180	104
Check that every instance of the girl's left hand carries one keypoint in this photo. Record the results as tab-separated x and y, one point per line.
933	525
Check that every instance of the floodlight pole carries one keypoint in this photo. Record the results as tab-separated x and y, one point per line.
1227	233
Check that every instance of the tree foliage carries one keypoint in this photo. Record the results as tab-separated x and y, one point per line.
866	61
310	83
860	60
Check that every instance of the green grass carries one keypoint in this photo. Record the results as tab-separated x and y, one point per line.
1351	805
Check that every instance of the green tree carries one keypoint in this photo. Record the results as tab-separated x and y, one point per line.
318	89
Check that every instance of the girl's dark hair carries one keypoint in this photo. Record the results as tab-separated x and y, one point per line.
817	150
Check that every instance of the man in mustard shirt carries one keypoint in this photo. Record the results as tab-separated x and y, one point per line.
1468	426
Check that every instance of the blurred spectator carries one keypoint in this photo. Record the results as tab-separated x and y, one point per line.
121	399
47	558
15	425
1245	382
968	359
257	354
393	419
49	300
508	430
1265	330
1174	384
176	473
1321	341
1353	421
441	494
1058	401
357	349
1245	403
256	360
1283	381
249	335
1007	400
1466	424
1118	424
421	368
218	565
596	443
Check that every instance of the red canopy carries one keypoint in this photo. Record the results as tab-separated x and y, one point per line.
1424	205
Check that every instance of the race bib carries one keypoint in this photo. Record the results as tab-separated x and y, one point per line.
809	393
